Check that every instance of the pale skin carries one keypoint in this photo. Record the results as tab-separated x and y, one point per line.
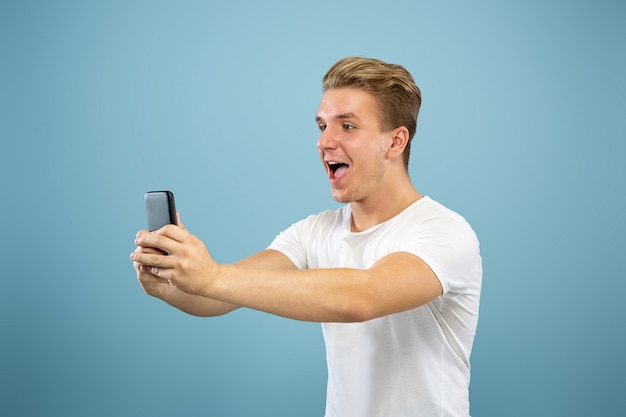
377	186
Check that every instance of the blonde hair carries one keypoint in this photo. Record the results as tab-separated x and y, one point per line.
398	97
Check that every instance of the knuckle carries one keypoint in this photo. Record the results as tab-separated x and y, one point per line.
178	264
165	230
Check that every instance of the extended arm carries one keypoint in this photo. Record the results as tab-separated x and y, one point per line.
397	282
269	282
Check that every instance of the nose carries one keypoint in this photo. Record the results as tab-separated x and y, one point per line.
326	140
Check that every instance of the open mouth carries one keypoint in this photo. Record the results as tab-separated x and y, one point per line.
337	169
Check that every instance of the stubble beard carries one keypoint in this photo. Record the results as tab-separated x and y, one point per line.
361	191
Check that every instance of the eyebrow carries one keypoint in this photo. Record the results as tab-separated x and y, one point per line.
342	116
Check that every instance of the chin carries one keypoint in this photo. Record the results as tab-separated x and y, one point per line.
343	198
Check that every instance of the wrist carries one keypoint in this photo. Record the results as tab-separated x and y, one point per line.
212	280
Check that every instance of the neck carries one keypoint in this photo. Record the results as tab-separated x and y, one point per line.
379	208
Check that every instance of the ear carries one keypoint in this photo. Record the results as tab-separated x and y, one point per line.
399	138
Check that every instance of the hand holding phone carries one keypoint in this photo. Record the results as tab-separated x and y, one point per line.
160	209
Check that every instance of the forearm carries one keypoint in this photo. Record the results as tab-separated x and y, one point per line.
320	295
197	305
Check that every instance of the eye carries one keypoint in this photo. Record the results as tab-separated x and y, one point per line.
348	126
322	127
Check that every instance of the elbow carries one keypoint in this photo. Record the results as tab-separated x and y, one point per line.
358	311
358	301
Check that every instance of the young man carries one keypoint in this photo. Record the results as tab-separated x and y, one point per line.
393	276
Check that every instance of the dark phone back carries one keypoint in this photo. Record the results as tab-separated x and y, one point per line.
160	209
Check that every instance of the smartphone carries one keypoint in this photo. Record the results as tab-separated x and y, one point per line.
160	209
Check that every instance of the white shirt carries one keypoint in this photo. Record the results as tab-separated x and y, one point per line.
413	363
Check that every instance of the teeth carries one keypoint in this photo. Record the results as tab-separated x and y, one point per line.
333	166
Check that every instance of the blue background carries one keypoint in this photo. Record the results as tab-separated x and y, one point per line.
522	131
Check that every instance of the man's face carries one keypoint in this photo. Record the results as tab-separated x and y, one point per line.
351	146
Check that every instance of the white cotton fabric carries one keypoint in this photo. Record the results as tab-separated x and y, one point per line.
413	363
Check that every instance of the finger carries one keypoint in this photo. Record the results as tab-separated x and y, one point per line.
180	221
176	232
150	259
160	273
146	249
159	240
146	276
140	235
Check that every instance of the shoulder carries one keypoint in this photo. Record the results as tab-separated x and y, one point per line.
427	213
325	220
316	226
447	243
429	208
309	235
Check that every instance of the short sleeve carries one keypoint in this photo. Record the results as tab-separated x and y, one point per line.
450	248
289	243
